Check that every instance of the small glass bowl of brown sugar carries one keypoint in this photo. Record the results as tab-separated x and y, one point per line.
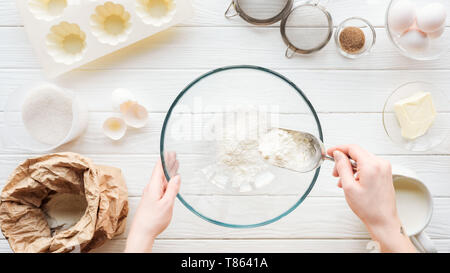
355	37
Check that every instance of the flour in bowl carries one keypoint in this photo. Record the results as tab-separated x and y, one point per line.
239	165
47	114
248	148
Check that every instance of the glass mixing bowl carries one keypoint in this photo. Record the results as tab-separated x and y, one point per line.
234	99
438	44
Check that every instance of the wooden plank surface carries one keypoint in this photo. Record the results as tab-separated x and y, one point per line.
211	13
204	47
366	129
132	167
315	218
248	246
330	91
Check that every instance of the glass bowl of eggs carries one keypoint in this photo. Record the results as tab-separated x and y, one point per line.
418	27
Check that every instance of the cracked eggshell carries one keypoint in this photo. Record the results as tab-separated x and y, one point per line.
111	23
66	43
156	12
135	115
114	128
120	97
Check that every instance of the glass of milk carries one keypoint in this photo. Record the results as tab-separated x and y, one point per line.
43	116
414	205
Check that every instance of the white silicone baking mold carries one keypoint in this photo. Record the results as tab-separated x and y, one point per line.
67	34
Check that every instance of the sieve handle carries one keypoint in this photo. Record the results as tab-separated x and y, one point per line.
231	7
289	52
323	3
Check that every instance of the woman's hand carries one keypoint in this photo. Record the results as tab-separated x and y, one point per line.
371	195
155	209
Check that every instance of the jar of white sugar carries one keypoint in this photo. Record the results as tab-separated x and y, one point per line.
43	117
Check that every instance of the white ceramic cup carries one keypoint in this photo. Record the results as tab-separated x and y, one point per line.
415	206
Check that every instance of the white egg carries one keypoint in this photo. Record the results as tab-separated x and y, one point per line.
114	128
436	34
127	104
414	40
135	115
121	96
431	17
402	16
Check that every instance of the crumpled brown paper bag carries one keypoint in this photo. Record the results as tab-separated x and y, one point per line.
23	222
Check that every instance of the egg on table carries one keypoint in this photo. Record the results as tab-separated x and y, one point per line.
135	115
414	40
114	128
431	17
121	96
402	16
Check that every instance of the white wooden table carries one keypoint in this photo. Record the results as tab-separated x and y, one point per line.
349	96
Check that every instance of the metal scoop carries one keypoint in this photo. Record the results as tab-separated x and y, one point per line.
315	160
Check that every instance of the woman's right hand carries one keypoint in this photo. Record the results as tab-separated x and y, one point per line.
370	194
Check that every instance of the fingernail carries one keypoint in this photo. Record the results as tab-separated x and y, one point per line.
337	155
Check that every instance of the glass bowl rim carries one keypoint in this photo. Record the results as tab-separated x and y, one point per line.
185	90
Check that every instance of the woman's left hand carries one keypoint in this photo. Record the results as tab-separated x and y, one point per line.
154	212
